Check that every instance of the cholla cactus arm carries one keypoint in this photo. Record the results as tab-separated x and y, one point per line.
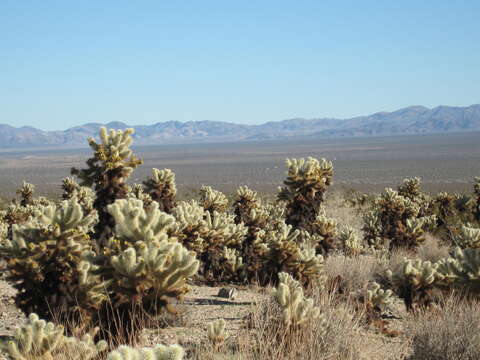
216	331
135	223
190	226
304	188
162	188
159	352
213	200
296	309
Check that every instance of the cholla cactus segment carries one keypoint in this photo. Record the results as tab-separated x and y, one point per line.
159	352
39	340
351	242
213	200
135	223
216	331
304	188
296	309
162	188
468	237
378	298
26	193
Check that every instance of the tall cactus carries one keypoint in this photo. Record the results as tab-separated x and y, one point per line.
107	171
304	189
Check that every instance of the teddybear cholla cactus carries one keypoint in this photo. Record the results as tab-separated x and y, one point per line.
213	200
395	220
39	340
377	300
462	270
216	331
415	281
159	352
109	168
296	309
162	189
45	261
26	193
468	237
351	242
145	266
304	190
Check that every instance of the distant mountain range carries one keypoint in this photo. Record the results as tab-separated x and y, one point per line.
410	120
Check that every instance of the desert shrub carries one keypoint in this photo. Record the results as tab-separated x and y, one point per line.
448	333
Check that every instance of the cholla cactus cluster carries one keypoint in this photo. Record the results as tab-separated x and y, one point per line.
111	250
39	340
297	310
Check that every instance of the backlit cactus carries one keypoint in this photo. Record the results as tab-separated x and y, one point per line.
26	194
216	331
162	188
350	242
468	237
378	299
462	270
107	171
213	200
296	308
415	280
304	189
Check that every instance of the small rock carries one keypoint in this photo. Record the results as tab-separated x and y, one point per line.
227	293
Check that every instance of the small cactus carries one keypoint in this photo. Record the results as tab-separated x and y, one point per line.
159	352
216	331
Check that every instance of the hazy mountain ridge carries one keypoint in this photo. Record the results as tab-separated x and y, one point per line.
410	120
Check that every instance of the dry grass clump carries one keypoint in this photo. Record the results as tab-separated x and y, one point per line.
451	332
335	338
432	249
350	274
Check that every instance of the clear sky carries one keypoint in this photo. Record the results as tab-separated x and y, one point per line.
64	63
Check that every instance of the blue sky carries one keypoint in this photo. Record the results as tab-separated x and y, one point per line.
65	63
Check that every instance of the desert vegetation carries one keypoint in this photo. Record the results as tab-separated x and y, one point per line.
393	275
